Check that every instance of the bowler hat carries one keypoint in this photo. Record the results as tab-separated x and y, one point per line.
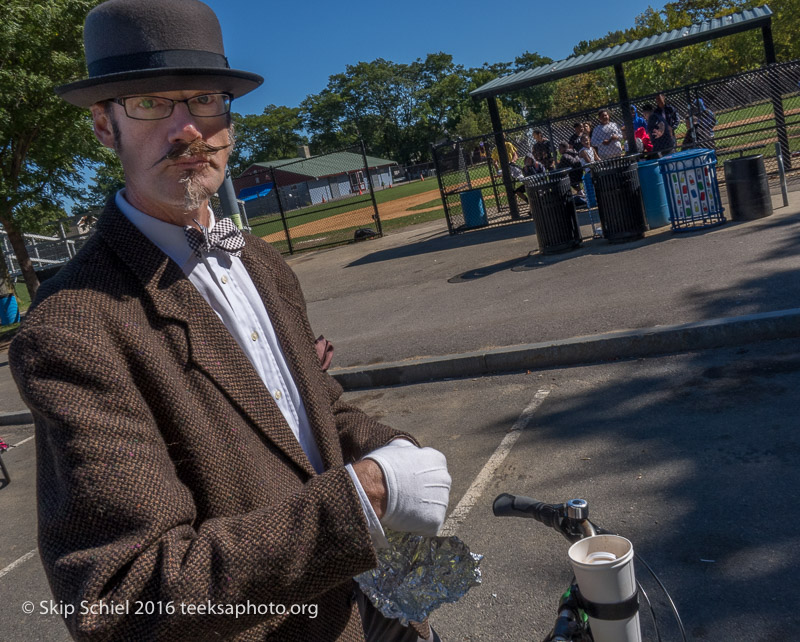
145	46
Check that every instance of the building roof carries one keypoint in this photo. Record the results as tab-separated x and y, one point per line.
326	165
700	32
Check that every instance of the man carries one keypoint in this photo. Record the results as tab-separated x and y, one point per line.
530	167
541	149
194	459
660	132
575	139
606	137
667	111
511	154
569	161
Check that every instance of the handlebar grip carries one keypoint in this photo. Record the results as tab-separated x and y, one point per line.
507	505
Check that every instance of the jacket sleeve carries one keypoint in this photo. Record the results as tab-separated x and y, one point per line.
117	525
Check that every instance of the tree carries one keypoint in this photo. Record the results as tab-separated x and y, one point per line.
44	142
108	179
272	135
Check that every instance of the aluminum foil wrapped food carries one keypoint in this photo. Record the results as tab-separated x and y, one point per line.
417	574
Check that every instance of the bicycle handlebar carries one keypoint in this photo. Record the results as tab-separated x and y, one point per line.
571	519
507	505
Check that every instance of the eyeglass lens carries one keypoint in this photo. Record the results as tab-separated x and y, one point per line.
155	107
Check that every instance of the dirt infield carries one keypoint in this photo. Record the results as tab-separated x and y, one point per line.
389	210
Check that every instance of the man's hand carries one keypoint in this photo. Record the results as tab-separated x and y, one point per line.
414	489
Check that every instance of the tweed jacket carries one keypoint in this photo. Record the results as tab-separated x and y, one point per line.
167	475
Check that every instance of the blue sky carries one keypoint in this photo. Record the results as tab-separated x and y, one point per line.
296	46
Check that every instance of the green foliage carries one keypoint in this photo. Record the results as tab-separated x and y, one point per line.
272	135
44	142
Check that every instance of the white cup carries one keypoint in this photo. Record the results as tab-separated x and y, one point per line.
603	567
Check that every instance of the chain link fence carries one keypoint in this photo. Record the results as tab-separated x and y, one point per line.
744	114
306	203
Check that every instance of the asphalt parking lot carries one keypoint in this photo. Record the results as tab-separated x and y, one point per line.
692	457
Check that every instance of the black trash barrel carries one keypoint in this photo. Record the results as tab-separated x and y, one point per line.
553	212
619	198
748	189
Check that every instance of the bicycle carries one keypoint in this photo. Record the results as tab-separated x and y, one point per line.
571	519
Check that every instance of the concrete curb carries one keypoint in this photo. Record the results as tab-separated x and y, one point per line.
16	418
700	335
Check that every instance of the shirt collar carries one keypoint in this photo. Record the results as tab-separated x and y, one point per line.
169	238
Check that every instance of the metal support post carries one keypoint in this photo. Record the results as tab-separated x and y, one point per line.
281	210
777	99
376	216
782	174
227	198
499	141
627	118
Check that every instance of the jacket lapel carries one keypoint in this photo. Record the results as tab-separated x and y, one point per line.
211	347
300	356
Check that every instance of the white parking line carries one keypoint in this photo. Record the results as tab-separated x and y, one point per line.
19	562
24	441
470	498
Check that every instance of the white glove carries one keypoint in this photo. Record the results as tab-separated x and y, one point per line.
418	487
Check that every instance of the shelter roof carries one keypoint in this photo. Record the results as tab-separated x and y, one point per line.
658	43
326	165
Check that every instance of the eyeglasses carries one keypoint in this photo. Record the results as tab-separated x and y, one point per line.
157	108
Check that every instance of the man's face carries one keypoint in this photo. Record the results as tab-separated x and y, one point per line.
603	117
537	136
661	100
170	170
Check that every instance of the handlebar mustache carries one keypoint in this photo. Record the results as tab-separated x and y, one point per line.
196	147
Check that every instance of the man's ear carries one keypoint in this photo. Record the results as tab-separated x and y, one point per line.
103	128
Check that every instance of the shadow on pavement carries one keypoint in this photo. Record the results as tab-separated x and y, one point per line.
444	241
709	450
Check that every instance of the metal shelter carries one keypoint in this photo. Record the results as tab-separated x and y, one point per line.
759	17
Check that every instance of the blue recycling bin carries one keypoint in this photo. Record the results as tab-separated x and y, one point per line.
654	196
9	311
690	179
473	208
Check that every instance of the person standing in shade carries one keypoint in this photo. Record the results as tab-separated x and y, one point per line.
541	149
575	140
192	450
607	137
659	130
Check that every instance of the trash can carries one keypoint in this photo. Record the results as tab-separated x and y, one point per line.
690	178
619	198
473	208
654	196
553	212
748	189
9	311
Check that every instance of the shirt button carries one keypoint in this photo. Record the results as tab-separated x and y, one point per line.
224	279
278	395
254	336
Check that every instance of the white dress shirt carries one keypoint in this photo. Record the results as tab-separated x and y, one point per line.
224	283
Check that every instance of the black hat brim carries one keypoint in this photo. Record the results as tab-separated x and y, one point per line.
85	93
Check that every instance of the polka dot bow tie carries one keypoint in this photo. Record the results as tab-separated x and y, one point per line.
224	236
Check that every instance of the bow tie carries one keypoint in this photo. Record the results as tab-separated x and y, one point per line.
224	236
